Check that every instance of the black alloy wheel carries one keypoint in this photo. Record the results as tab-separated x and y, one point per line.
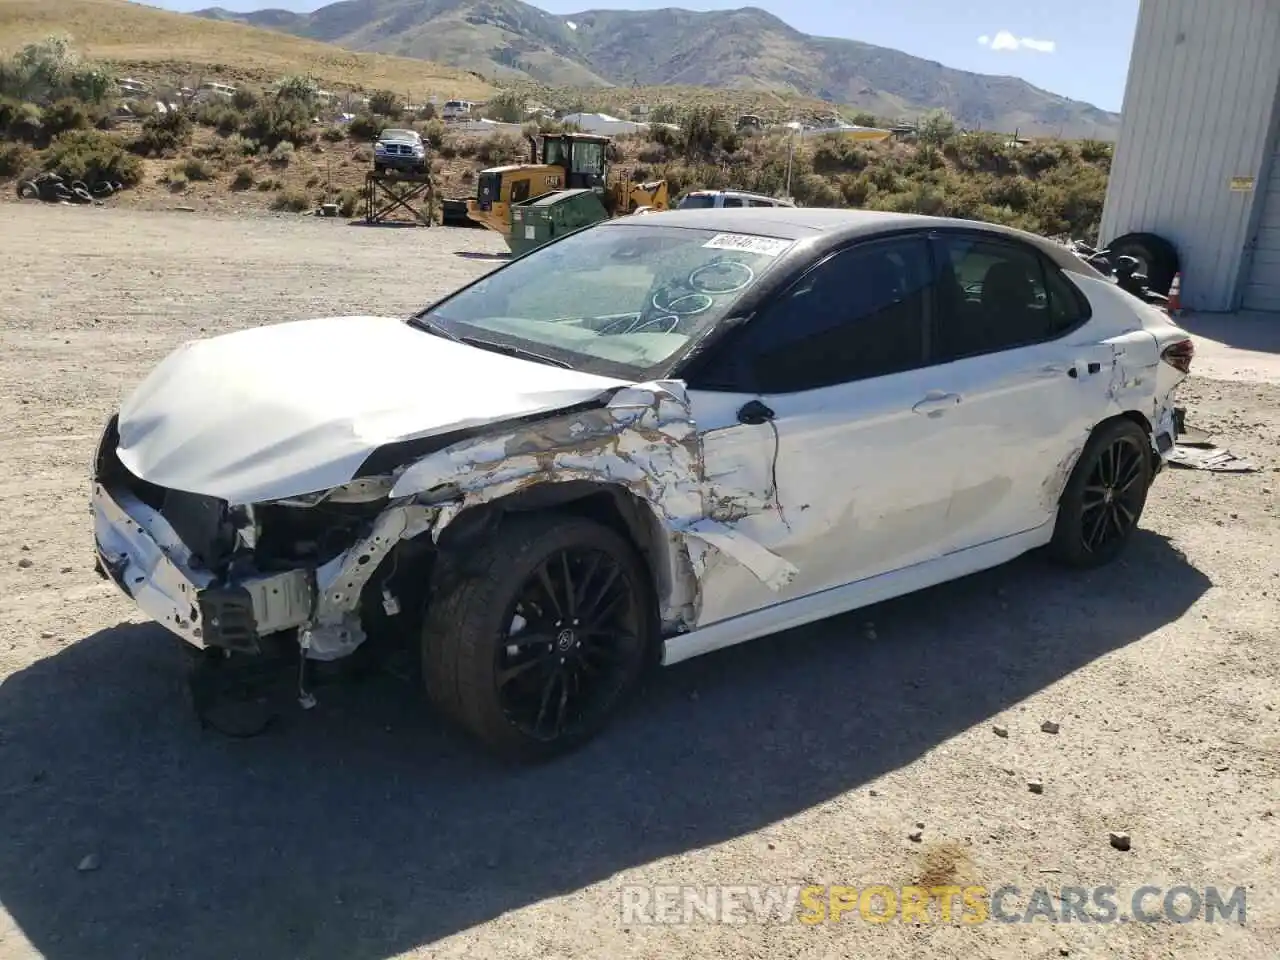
1104	497
577	620
1114	494
535	636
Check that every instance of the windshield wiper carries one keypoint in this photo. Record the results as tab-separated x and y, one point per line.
511	351
420	322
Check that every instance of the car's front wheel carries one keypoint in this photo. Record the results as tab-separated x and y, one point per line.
1104	496
534	648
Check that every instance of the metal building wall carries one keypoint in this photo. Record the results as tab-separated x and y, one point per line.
1197	112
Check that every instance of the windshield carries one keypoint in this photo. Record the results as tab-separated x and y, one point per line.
615	299
399	135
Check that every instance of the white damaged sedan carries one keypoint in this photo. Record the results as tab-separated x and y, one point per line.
645	441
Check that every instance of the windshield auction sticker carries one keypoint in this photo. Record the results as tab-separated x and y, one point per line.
749	243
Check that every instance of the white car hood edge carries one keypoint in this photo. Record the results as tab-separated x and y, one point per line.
294	408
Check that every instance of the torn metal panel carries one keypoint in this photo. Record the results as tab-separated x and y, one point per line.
643	440
334	630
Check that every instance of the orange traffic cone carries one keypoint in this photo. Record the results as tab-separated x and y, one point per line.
1175	296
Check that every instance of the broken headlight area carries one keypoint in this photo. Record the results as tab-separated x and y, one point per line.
229	576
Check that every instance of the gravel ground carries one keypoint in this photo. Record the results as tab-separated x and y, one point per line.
359	831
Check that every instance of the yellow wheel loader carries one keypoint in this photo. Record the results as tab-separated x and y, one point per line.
530	203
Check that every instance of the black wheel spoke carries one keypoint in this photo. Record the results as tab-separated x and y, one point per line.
545	702
562	709
570	593
584	584
592	601
1092	539
544	580
524	666
1129	518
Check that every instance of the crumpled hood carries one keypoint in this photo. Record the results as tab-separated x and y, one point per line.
294	408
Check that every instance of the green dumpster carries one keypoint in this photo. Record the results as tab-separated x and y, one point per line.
540	219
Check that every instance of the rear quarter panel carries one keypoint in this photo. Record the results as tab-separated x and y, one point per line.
1138	332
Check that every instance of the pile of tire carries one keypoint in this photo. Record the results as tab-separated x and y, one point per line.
52	188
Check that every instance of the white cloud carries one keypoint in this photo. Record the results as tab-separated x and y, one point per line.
1004	40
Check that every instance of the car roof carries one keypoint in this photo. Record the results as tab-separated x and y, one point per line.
802	223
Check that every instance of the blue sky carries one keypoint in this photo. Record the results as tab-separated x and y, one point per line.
1078	48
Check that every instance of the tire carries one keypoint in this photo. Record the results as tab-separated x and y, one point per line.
1158	258
464	656
1083	505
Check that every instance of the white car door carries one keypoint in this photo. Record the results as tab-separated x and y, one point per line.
1025	382
812	443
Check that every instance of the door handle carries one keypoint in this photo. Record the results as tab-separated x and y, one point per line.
936	404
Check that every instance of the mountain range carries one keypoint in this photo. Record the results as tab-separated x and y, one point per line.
509	41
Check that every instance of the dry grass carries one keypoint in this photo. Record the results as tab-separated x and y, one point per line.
149	41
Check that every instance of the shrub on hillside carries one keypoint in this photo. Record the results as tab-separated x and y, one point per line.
164	133
91	156
277	121
364	126
51	70
498	148
16	159
936	127
21	121
222	116
349	202
291	201
1095	151
244	100
707	131
832	153
1044	155
301	89
243	178
193	168
506	107
69	114
334	134
433	133
384	103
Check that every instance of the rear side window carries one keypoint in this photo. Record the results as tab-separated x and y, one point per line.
760	203
732	202
998	295
697	201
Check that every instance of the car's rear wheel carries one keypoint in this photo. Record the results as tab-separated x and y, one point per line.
1104	496
535	648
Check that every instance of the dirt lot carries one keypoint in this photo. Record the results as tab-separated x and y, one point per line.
359	831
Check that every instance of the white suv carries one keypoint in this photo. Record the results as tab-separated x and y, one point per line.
707	199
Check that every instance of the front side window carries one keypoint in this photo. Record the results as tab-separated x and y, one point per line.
588	157
553	151
857	315
997	294
619	299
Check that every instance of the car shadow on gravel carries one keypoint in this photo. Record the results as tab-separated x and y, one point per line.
360	830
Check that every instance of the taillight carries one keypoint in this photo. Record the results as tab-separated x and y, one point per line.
1179	354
